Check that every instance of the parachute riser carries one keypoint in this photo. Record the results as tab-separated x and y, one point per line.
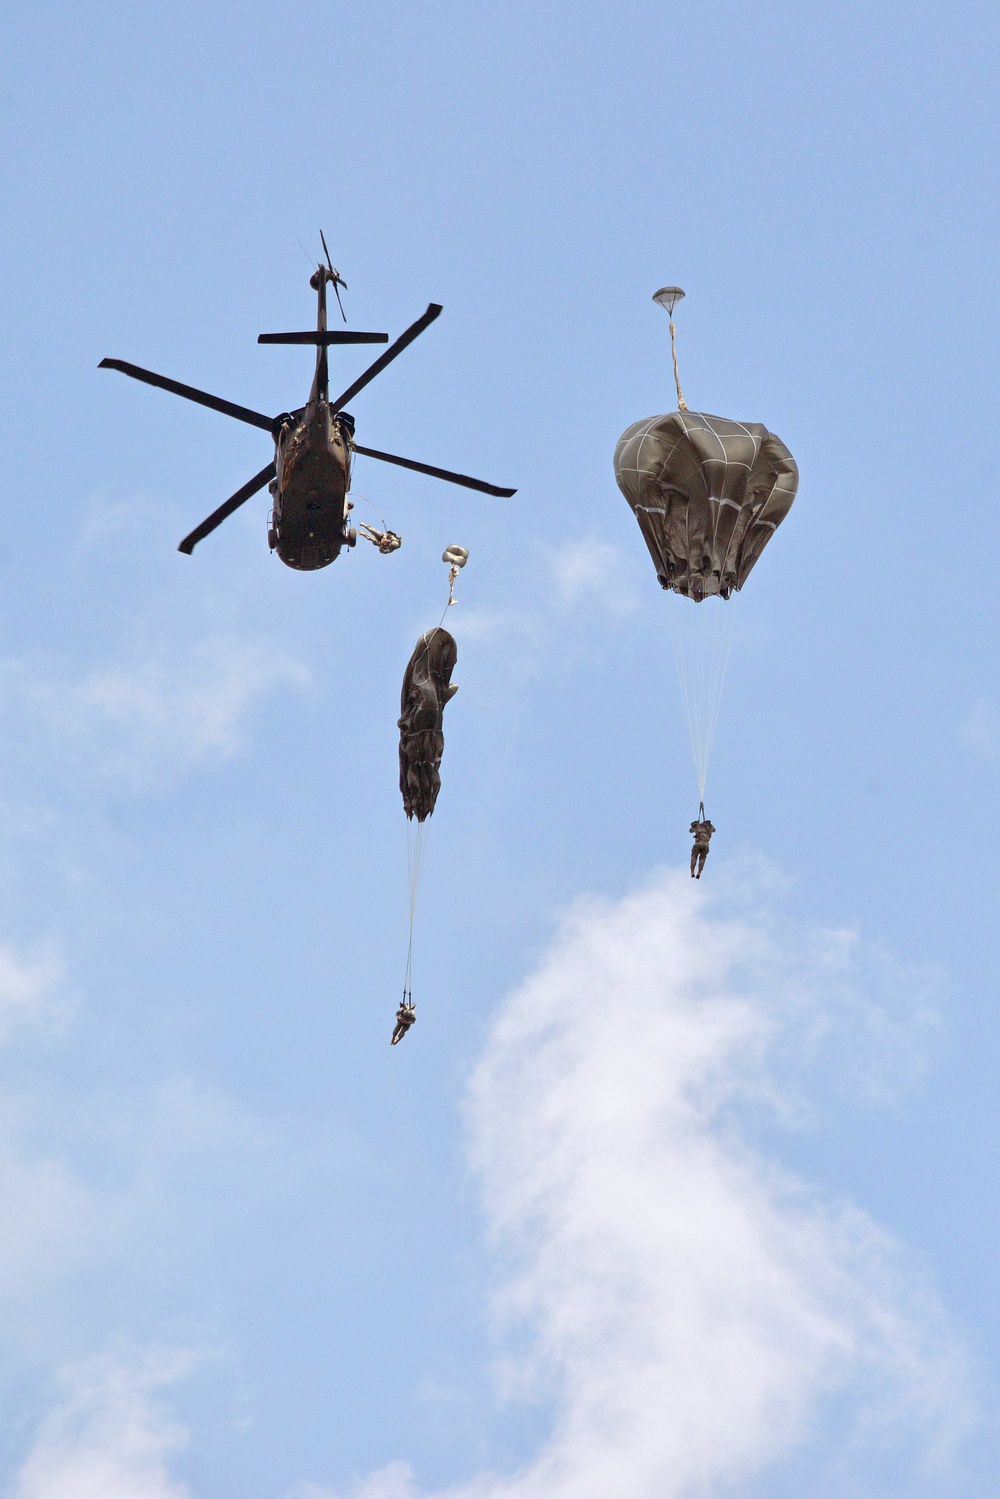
682	405
702	640
667	297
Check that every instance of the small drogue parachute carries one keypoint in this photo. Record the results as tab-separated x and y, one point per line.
708	494
427	687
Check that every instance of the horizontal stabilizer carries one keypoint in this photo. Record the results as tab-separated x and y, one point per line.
339	336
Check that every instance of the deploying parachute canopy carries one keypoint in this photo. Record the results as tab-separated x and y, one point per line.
708	494
427	686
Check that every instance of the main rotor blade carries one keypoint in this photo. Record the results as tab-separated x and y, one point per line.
338	336
233	503
412	332
437	473
228	408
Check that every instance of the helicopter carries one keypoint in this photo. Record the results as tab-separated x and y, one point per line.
309	478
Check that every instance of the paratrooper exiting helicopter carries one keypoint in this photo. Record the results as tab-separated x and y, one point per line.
309	477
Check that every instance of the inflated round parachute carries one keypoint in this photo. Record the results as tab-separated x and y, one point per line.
708	494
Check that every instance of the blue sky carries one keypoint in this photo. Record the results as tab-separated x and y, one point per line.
245	1246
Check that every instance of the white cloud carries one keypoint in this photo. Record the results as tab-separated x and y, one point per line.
108	1436
578	576
107	518
53	1224
28	991
595	573
695	1317
91	1181
981	730
91	1184
394	1481
157	712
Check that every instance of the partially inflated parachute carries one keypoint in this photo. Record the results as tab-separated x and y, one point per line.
708	494
427	687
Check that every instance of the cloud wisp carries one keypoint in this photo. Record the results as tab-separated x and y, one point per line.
108	1436
157	713
981	729
582	577
28	991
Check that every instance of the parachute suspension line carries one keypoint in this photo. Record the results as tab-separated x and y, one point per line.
372	506
667	297
457	557
682	405
703	641
416	845
451	596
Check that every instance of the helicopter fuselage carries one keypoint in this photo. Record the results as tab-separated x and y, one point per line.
309	478
312	456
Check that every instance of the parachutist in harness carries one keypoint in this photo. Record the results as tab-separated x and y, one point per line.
386	541
708	494
406	1016
702	830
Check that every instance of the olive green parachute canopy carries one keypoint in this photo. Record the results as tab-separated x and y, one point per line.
708	494
427	686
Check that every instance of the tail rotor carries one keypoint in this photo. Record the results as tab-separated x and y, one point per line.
334	276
